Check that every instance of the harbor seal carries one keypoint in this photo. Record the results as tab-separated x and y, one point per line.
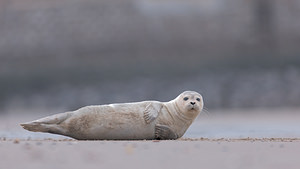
145	120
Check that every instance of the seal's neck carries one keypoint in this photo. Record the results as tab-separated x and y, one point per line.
180	121
176	112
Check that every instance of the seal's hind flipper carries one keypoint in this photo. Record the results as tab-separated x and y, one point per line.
151	112
48	124
163	132
31	126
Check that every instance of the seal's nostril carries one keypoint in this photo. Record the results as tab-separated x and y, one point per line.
192	103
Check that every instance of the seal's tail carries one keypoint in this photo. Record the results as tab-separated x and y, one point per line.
48	124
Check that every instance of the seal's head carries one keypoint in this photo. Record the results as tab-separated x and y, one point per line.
189	103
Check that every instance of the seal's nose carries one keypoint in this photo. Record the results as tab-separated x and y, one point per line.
193	103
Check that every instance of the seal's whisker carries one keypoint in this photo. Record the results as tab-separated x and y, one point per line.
205	108
206	112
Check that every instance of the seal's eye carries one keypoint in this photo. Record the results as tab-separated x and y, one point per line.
198	99
186	98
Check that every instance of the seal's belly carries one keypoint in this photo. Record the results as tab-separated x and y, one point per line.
116	121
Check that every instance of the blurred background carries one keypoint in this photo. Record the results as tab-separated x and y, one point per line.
71	53
65	54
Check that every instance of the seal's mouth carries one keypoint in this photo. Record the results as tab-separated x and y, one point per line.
193	108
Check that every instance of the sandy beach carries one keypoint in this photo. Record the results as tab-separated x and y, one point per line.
229	141
226	154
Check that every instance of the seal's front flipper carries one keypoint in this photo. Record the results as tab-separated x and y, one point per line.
151	112
163	132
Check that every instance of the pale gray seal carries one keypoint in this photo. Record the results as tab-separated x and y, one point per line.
125	121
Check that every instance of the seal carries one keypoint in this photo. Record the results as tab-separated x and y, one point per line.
145	120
